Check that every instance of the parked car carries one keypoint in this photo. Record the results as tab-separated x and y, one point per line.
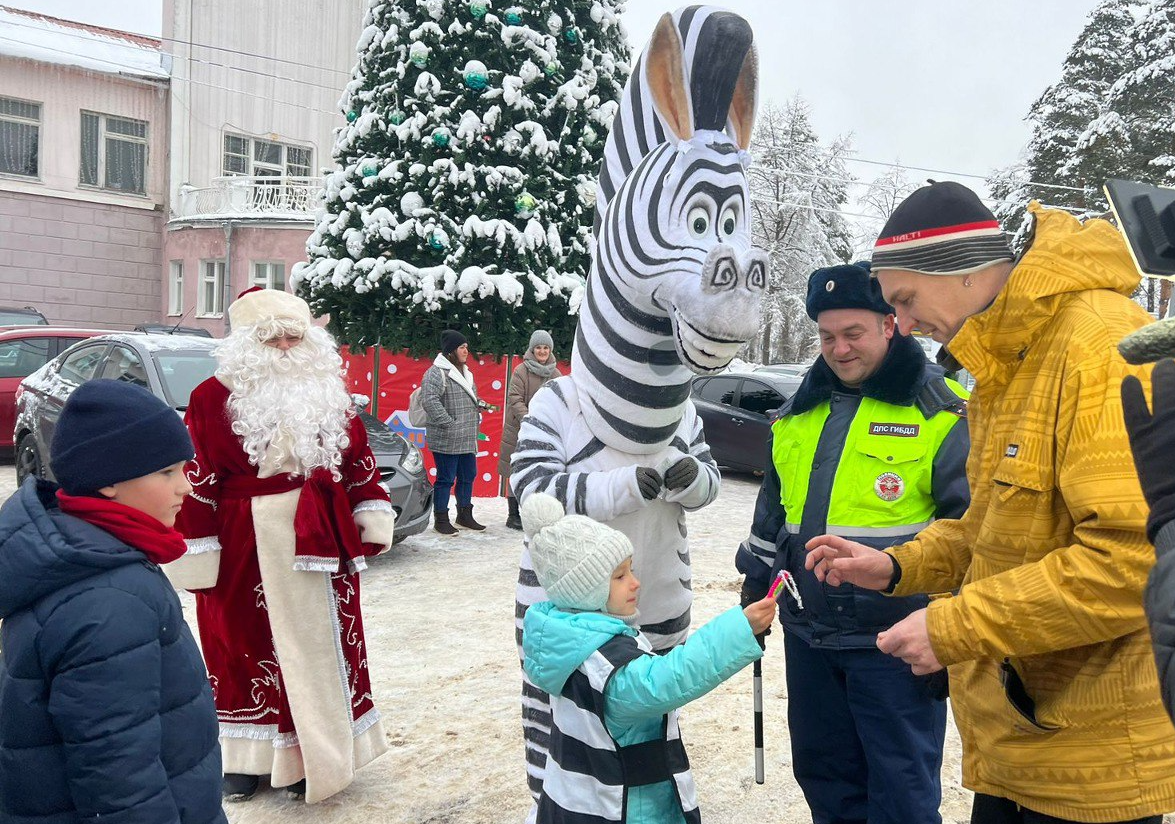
737	411
21	316
24	350
798	369
171	329
171	367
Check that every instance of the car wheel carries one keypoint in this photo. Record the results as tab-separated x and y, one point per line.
28	459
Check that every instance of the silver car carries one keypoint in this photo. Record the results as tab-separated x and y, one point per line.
171	366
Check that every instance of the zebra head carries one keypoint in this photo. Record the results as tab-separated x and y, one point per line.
676	284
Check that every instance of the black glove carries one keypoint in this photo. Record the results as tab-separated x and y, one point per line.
1152	439
681	474
648	480
751	592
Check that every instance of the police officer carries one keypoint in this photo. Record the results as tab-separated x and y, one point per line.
873	445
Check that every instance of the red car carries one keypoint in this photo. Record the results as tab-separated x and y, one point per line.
24	350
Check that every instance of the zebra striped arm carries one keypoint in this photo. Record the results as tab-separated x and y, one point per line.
545	458
704	489
756	555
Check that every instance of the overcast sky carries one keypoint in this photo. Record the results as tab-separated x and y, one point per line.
943	85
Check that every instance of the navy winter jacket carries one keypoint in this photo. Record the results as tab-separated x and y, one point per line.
105	709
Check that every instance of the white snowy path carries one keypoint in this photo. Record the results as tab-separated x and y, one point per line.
440	633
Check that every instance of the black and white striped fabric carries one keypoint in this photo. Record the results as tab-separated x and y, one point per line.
588	775
674	291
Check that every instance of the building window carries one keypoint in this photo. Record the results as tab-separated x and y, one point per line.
210	297
264	158
114	153
20	137
175	288
269	275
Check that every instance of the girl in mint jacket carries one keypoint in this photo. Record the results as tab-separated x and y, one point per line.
616	750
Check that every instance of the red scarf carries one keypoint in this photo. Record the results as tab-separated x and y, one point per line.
133	527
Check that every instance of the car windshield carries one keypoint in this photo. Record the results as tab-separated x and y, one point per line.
8	318
182	371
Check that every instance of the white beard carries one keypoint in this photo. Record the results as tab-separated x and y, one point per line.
290	409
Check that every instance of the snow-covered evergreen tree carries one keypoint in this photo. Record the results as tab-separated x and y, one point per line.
465	186
876	203
1055	155
1135	134
798	187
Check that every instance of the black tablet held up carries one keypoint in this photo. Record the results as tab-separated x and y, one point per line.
1146	216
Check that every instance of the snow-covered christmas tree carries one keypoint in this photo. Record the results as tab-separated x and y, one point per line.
465	190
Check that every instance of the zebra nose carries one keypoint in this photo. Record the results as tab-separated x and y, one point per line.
721	275
756	273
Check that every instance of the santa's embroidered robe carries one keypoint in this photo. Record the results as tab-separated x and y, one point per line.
276	563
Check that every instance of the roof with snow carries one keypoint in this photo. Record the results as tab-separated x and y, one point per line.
33	36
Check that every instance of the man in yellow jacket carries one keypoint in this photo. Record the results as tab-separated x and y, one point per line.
1052	681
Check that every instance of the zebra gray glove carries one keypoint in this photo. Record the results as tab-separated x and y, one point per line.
681	474
649	482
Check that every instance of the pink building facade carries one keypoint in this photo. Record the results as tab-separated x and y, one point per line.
84	131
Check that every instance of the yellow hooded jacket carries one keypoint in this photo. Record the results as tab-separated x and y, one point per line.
1053	681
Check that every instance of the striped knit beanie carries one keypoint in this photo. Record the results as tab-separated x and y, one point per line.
941	229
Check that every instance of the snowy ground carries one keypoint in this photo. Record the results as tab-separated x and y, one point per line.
440	631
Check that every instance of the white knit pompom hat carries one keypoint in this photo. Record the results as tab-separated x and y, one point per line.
574	557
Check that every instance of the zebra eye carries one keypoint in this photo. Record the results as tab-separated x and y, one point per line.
728	222
698	221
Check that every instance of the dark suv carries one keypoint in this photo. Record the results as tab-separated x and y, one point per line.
171	366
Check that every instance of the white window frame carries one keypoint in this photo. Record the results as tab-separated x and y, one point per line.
211	272
175	288
258	168
14	118
103	135
261	273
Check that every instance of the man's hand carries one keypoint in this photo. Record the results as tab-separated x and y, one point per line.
760	614
649	482
909	639
683	473
1152	440
838	561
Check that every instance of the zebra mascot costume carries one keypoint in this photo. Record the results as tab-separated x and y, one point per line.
674	291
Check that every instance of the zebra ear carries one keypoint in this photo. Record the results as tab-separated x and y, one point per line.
745	100
665	73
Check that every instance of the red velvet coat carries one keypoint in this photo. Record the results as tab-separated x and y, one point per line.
235	617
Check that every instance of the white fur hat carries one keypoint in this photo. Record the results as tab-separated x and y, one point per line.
256	305
574	557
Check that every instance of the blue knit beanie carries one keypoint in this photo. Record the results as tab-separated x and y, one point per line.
111	431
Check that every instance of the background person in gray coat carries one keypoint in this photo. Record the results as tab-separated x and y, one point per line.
537	367
450	400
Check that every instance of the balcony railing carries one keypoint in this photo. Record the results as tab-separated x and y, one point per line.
273	197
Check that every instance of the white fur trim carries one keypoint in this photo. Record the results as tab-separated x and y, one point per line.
376	526
197	546
254	307
256	732
374	505
315	565
303	615
195	569
357	565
